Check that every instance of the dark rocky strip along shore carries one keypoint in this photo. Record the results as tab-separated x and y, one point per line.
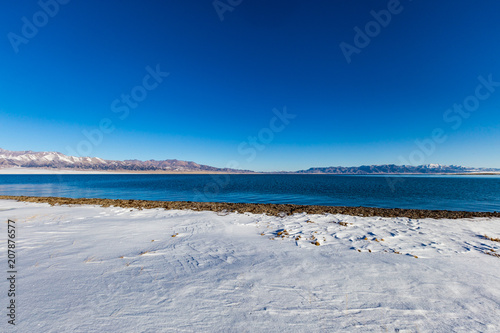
270	209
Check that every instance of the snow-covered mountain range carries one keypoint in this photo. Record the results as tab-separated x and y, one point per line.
400	169
55	160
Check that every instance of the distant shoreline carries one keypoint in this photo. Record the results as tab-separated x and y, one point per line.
48	171
270	209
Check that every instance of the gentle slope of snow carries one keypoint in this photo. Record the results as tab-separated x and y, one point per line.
94	269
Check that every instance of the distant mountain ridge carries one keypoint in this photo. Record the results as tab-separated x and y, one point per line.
398	169
55	160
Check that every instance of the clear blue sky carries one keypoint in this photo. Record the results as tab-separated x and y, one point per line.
226	77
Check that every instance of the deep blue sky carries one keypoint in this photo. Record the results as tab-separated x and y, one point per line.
226	77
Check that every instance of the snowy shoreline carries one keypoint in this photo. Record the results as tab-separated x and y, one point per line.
95	269
257	208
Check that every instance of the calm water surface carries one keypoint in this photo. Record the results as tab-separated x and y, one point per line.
472	193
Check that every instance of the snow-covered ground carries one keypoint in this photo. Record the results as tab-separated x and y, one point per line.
94	269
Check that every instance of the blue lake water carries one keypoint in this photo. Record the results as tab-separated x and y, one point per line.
471	193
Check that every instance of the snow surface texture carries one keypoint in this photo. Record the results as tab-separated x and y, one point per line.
94	269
